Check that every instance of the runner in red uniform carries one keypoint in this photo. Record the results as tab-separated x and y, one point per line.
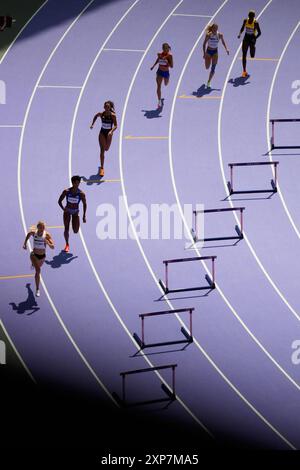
164	61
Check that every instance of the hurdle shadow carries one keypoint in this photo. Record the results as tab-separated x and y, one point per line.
163	298
247	199
60	259
204	91
279	154
191	248
93	179
239	81
221	246
153	113
139	354
28	305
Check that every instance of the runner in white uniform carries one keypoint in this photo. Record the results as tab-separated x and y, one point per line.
41	239
210	53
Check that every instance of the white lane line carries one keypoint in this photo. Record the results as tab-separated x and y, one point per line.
107	49
16	351
267	275
68	334
21	31
118	316
210	360
268	127
60	86
198	253
197	16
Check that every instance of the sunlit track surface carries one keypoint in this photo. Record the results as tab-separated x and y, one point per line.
163	185
63	103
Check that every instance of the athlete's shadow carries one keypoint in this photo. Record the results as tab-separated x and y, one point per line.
154	113
63	258
93	179
203	91
29	304
239	81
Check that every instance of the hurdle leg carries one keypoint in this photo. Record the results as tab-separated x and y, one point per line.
272	136
167	277
143	331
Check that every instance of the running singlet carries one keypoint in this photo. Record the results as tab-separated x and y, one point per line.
213	41
250	28
163	61
107	122
39	242
73	201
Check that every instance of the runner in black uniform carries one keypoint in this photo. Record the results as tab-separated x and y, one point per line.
109	125
73	196
252	33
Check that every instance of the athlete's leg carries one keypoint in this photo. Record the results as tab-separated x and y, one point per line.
245	46
166	80
75	223
108	142
67	218
37	263
102	143
252	49
207	61
213	66
158	89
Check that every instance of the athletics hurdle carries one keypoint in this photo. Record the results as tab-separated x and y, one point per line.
188	337
171	395
252	191
239	230
273	146
211	282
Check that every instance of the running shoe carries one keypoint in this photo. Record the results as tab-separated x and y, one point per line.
67	248
159	104
101	172
208	85
37	294
244	74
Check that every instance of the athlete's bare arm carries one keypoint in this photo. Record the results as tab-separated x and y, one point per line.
29	234
204	44
223	42
61	198
49	241
83	198
242	29
156	62
95	119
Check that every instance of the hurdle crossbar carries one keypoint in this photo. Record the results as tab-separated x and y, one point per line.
171	394
273	146
211	282
253	191
188	336
239	230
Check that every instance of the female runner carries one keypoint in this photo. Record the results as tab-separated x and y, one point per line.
109	125
41	239
210	54
251	34
164	61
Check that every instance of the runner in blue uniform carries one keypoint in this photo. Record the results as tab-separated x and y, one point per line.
73	197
